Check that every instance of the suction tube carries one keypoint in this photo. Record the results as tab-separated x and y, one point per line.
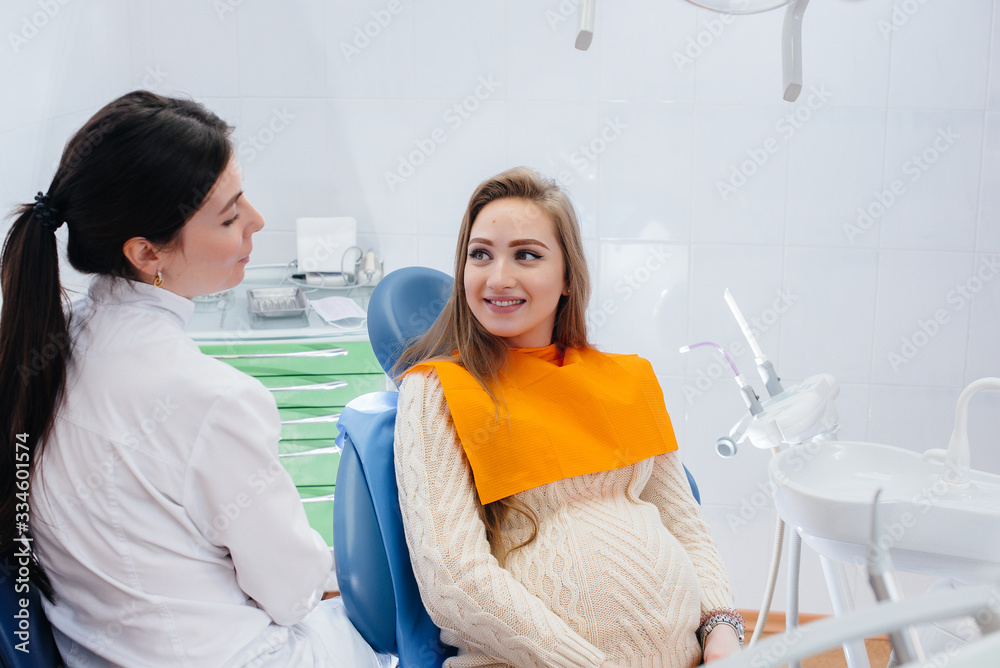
772	579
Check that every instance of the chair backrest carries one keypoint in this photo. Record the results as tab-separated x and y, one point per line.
402	307
373	563
26	640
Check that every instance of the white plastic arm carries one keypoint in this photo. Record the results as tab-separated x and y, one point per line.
585	31
791	50
981	601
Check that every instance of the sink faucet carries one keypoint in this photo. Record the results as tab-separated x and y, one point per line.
956	462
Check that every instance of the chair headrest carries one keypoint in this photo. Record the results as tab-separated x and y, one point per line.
403	306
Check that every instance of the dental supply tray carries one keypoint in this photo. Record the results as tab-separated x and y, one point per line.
277	302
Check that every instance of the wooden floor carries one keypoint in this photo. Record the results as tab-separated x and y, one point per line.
878	656
878	648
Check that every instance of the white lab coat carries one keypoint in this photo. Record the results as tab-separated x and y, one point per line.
170	531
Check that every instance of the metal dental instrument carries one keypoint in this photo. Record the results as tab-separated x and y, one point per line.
905	643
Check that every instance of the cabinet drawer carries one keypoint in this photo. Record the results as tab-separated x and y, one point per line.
297	358
309	423
310	463
318	502
311	391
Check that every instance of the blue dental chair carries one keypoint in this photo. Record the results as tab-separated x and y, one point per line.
373	562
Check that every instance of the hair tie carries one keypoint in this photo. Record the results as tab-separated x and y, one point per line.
48	216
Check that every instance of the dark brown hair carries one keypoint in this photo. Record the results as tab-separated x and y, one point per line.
140	167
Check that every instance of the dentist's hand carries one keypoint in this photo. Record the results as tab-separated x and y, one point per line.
720	643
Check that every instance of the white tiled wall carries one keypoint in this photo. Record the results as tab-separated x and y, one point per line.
689	172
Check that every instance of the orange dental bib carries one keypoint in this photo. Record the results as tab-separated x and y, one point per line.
594	412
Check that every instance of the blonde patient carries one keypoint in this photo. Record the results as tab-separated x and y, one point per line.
547	514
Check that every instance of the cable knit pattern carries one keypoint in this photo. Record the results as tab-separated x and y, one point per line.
622	568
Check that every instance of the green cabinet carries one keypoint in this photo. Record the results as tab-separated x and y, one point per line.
311	382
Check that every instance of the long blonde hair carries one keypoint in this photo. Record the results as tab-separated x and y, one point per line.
483	354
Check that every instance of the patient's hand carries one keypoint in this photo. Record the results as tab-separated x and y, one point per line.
720	643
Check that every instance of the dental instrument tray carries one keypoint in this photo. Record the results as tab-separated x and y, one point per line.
277	302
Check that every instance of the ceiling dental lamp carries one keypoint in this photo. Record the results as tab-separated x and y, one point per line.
791	34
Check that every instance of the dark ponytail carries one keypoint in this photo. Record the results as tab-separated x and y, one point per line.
140	167
34	350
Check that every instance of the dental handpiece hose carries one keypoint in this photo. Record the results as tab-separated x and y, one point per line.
750	397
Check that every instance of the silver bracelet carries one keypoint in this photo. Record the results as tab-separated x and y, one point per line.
713	618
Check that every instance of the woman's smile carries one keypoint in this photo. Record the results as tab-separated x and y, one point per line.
499	305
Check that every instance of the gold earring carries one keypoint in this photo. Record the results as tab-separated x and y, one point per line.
158	281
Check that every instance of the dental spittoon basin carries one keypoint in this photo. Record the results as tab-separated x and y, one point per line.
938	516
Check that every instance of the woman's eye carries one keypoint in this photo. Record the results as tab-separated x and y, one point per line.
232	220
527	255
479	254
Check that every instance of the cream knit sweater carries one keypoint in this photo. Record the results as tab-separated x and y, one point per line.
622	568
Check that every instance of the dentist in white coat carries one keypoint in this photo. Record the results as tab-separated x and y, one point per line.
164	530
